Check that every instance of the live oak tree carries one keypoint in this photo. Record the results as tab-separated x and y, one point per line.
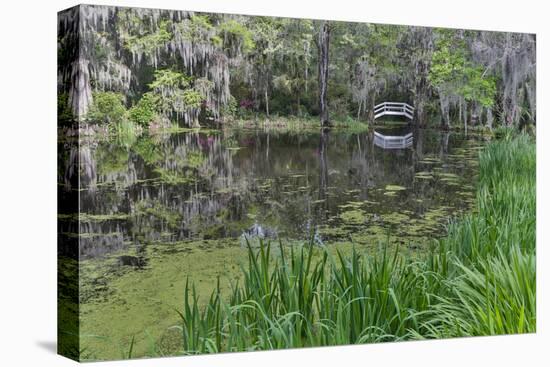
458	80
234	66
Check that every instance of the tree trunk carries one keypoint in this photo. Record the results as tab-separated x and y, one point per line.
266	103
424	43
463	115
489	122
421	93
445	117
323	45
371	109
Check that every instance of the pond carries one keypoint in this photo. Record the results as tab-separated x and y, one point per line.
177	205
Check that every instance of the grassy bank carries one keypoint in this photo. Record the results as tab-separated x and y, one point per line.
479	280
291	123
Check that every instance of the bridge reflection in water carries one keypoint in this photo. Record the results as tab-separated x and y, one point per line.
393	142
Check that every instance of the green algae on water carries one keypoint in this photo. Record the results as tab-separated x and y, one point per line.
355	216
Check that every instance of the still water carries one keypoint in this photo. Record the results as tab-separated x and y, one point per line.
223	185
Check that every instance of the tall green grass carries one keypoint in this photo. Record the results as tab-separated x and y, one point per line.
487	260
506	204
498	296
479	280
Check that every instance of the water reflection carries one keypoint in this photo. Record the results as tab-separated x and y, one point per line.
221	185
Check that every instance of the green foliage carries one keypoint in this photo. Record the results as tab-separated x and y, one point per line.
145	110
175	92
284	83
496	297
64	112
148	43
447	66
191	98
237	34
452	72
230	109
504	132
107	107
124	131
505	200
489	257
273	62
199	22
477	87
166	78
199	30
100	51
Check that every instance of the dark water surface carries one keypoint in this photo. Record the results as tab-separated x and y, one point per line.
221	185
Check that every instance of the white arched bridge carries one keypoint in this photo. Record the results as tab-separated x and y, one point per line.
393	109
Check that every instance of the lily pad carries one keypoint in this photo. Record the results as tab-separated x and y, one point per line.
395	188
351	205
356	216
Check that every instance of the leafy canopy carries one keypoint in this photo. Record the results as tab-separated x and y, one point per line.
452	71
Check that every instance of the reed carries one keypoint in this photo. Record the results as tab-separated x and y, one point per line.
487	260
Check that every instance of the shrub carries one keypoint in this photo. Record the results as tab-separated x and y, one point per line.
64	112
145	110
230	109
107	107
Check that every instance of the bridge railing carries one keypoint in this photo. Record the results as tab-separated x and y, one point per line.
393	142
393	108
